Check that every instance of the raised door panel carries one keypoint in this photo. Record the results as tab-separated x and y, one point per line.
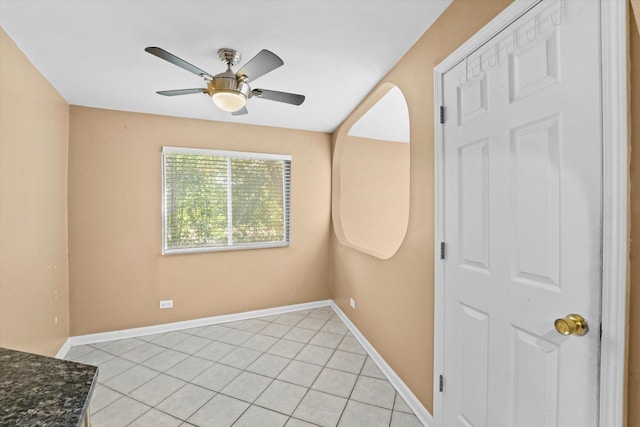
534	64
535	164
474	365
473	204
473	99
534	381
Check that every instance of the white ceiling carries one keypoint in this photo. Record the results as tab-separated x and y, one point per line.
335	51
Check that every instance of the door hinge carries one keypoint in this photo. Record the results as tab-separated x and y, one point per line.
442	114
441	383
442	248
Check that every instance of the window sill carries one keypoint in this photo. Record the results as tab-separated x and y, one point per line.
225	248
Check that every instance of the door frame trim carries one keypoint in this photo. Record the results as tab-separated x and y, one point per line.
615	202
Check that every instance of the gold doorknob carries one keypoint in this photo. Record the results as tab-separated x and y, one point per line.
573	324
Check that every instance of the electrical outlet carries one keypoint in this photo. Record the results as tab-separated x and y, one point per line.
166	303
352	303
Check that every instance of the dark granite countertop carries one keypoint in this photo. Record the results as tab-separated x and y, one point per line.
43	391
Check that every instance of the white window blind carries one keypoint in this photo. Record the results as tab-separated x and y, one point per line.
221	200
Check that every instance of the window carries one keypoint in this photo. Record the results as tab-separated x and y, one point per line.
222	200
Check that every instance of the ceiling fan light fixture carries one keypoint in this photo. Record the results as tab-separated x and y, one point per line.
229	91
229	101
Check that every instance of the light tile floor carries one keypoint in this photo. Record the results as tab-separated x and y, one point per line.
297	369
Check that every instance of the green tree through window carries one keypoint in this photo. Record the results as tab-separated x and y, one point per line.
224	200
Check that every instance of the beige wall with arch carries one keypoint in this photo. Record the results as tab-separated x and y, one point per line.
370	184
374	194
394	297
34	280
117	272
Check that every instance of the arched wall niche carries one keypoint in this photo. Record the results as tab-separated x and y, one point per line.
371	174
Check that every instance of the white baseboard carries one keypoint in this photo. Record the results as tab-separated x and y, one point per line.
412	401
64	349
176	326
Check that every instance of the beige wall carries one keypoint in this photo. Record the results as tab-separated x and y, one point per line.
394	297
373	194
117	272
633	397
34	281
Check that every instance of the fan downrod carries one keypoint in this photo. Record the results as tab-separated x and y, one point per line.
230	57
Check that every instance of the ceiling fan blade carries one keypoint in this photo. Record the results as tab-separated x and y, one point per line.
163	54
181	92
264	62
240	112
274	95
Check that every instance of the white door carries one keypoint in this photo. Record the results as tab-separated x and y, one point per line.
522	214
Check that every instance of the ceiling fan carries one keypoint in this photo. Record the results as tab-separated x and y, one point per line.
230	90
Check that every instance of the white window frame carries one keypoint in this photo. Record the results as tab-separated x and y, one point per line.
229	155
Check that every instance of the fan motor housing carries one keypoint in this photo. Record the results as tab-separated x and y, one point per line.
228	82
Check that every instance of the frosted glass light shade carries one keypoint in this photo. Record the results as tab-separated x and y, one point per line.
229	101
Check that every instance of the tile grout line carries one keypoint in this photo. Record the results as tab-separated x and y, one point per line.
351	393
395	396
